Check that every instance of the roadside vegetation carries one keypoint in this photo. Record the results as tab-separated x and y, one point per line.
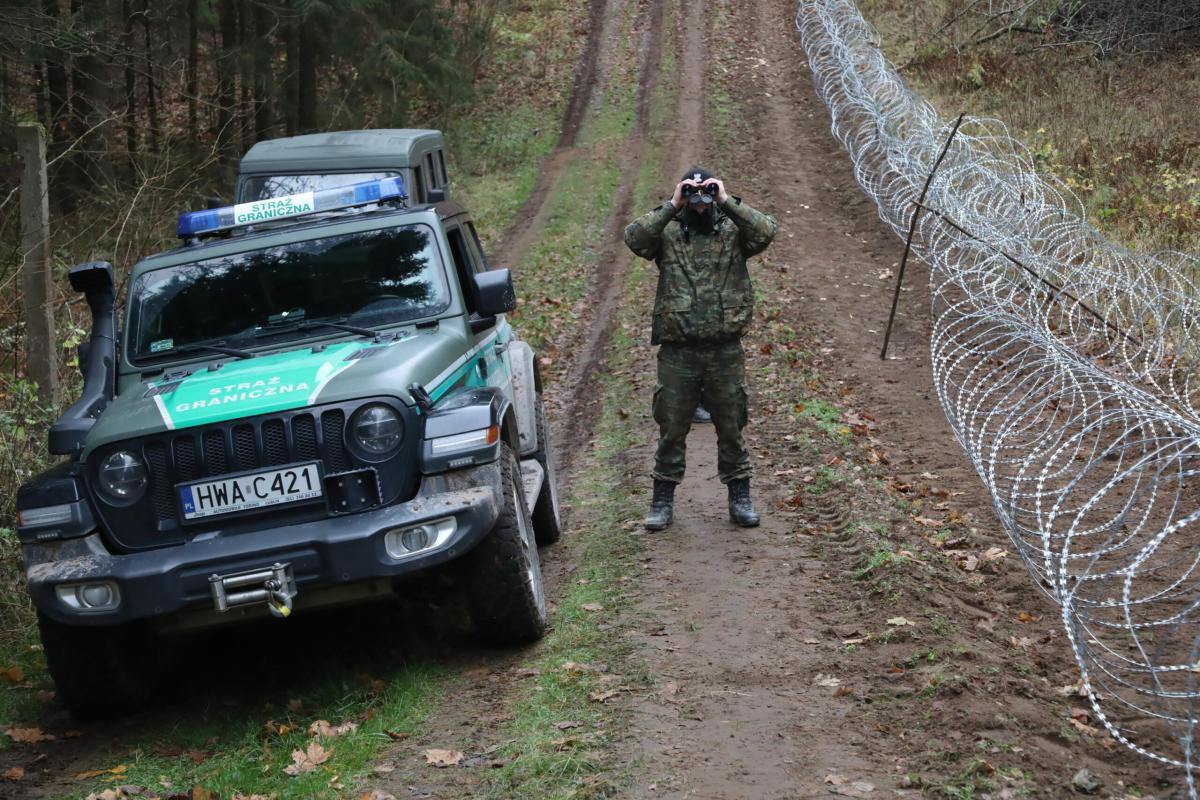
239	731
1104	98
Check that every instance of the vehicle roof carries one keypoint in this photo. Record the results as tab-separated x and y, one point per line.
270	234
338	151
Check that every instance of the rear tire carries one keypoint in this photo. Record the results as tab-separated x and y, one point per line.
547	520
505	593
102	672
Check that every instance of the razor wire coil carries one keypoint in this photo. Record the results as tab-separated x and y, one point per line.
1067	366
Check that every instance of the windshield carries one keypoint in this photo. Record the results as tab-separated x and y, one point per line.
366	279
264	187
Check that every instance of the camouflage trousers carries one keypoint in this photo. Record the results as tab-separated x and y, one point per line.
687	375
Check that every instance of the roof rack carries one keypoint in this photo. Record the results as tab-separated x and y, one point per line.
198	224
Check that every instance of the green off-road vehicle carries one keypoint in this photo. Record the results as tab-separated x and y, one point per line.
313	396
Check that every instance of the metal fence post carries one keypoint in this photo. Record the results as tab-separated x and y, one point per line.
41	349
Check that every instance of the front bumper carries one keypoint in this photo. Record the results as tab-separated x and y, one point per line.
326	553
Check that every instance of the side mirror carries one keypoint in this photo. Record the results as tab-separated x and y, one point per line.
435	195
494	292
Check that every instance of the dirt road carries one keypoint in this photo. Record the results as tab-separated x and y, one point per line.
794	661
844	648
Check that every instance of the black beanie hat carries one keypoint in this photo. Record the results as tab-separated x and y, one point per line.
698	174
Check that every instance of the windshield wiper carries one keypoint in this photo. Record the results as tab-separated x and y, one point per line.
188	349
305	327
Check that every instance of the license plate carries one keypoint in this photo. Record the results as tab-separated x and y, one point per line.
248	492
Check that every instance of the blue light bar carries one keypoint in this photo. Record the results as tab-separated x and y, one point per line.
198	223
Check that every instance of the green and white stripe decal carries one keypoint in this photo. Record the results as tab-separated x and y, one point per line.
459	371
276	382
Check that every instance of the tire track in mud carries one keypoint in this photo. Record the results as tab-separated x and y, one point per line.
729	617
580	401
525	228
743	622
475	718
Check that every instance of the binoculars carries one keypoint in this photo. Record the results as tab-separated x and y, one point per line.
704	193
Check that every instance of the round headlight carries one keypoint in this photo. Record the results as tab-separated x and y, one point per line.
123	475
376	430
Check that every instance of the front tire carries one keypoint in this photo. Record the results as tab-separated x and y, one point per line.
505	594
547	520
102	672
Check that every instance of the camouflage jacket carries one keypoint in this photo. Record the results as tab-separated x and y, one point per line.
704	290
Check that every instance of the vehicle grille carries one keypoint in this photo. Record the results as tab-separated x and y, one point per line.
240	446
243	445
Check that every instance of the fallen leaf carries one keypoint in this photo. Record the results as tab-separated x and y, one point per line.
526	672
240	796
28	735
443	758
603	697
592	607
928	522
564	726
325	730
14	674
900	622
395	736
1025	616
376	794
565	743
827	681
843	691
13	774
278	728
308	759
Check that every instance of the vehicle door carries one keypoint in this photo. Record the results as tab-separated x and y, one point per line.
489	334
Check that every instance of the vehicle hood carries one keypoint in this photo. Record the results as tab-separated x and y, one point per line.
276	382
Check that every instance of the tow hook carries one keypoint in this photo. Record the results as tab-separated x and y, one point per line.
275	586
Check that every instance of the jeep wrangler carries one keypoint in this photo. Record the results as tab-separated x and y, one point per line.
311	397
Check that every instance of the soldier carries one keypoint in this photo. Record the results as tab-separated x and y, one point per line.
700	241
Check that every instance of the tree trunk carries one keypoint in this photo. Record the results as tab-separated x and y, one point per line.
39	87
131	121
307	102
264	77
57	89
246	70
292	78
90	98
151	65
227	83
193	60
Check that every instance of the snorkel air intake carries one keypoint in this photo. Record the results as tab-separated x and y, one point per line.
98	359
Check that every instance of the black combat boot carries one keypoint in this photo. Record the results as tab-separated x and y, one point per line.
662	506
741	509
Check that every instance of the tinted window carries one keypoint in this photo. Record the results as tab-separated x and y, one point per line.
263	187
431	172
367	279
463	266
480	257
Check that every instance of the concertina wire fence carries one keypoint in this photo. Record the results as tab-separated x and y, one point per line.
1067	367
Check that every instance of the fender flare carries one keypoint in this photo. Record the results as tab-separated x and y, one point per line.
463	412
526	383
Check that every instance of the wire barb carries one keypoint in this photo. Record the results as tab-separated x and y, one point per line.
1067	366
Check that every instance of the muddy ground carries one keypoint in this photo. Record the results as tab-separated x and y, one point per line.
777	673
842	649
